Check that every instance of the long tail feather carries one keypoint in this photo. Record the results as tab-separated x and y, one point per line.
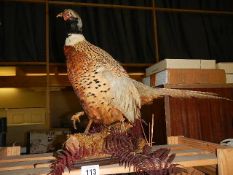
148	94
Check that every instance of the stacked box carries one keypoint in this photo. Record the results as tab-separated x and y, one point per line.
180	64
10	151
150	80
190	76
42	141
184	71
146	81
228	68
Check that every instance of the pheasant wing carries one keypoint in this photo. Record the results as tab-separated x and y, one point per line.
124	95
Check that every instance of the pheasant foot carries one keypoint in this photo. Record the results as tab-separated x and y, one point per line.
123	128
76	117
88	126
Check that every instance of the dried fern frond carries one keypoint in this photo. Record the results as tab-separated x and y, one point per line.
159	162
66	159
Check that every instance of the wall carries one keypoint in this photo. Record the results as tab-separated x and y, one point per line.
63	104
20	98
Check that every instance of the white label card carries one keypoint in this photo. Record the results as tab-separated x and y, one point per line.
90	170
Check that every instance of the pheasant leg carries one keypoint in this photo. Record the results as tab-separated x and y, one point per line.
88	126
123	128
76	117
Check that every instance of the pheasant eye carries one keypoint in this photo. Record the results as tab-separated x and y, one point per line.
67	16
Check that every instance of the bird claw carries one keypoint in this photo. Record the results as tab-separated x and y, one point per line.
76	117
88	126
123	128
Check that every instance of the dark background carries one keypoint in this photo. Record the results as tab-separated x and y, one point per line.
126	34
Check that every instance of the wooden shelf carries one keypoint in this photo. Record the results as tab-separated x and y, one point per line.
189	153
27	75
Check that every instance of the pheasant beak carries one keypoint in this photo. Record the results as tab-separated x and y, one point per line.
60	15
65	15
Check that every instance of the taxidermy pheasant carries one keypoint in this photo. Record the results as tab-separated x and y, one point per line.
106	92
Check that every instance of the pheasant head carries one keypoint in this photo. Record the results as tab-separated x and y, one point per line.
73	21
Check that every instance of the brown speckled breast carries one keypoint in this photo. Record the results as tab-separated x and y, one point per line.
90	86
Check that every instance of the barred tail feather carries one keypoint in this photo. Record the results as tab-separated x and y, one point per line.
148	94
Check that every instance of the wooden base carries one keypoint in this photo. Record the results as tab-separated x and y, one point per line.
190	153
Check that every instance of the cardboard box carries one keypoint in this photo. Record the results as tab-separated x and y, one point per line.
146	81
150	80
228	67
190	76
180	64
229	78
10	151
42	141
208	64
